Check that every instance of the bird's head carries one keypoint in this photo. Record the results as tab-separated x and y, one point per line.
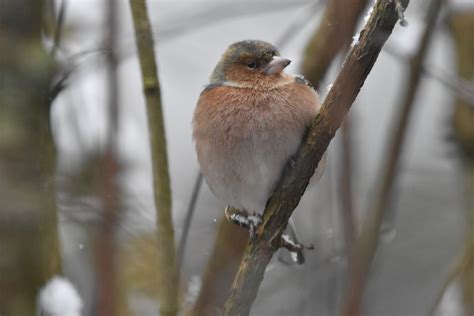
247	63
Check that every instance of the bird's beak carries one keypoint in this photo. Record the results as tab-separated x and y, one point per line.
276	65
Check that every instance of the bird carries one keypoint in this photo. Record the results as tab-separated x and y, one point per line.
249	121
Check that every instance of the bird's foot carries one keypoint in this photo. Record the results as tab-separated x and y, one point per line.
295	248
251	222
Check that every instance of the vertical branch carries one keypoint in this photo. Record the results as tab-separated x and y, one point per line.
462	24
333	33
345	181
366	244
161	180
297	173
106	240
223	263
28	220
187	222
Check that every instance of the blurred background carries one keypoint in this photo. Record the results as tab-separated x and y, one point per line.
77	190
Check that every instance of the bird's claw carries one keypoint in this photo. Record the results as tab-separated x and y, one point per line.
251	222
295	248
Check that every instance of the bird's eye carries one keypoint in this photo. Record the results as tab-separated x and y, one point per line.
251	65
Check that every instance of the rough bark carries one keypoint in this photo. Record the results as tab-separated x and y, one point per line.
299	170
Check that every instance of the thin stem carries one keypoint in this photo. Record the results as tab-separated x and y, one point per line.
187	222
168	275
106	245
345	180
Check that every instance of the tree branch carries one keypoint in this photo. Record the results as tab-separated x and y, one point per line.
167	257
461	26
106	248
299	170
187	223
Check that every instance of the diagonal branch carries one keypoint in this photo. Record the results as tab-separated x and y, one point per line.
299	170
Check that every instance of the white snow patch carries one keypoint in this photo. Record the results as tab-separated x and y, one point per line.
329	87
59	297
355	40
369	13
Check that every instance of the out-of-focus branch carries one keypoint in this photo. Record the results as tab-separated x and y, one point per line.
345	181
106	247
224	261
334	32
332	37
187	222
467	267
161	181
366	244
59	27
455	85
297	25
462	24
28	220
299	170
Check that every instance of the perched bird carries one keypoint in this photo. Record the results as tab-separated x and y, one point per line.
249	120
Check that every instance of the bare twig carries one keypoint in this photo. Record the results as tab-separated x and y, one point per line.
367	242
106	245
453	84
223	11
209	15
162	191
187	222
345	181
296	175
58	28
463	118
334	32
